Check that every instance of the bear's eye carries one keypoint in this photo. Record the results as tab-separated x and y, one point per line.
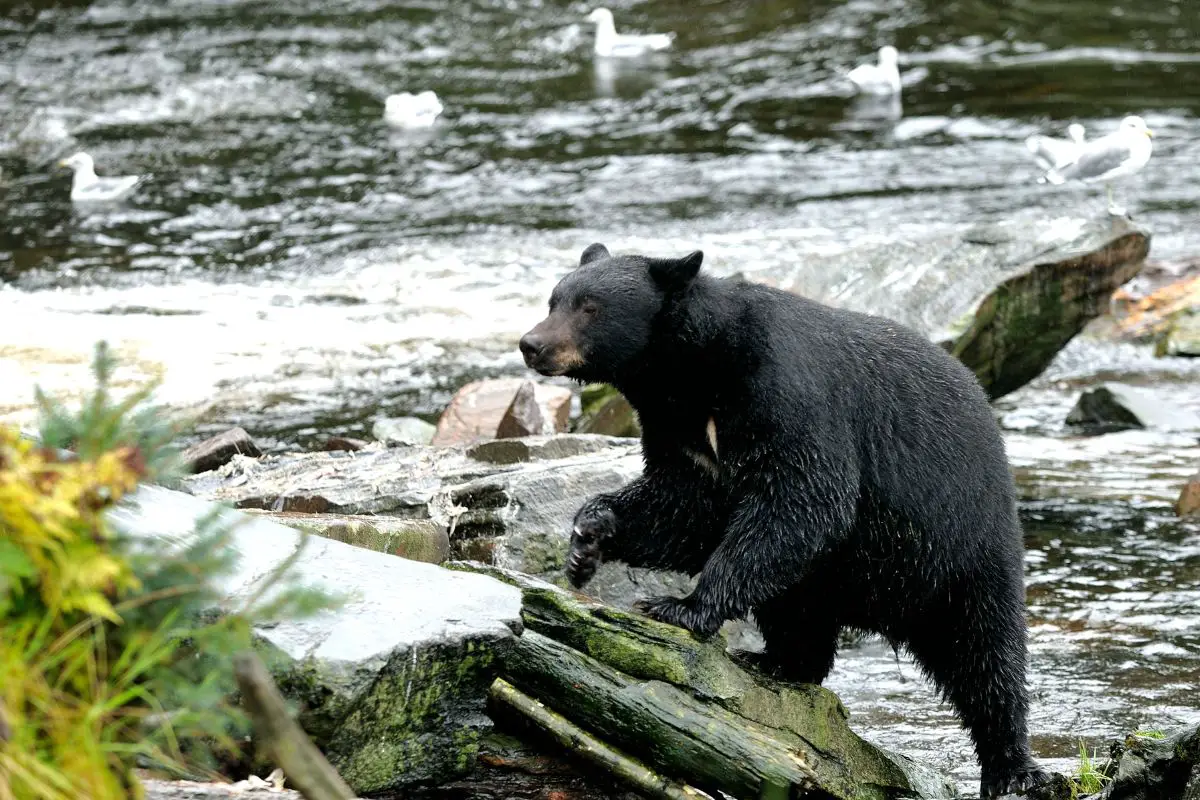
589	308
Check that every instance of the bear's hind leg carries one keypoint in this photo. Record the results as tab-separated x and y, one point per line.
977	660
801	634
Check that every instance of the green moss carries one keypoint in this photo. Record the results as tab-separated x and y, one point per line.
544	552
419	720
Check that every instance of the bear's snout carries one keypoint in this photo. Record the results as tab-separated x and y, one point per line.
550	347
531	346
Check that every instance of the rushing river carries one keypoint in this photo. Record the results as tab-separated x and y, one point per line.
293	265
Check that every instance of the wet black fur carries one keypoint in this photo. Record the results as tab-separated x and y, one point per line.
859	481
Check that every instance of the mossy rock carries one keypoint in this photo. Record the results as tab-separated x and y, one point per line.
604	410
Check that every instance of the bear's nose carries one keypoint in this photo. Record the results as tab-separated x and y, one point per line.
531	346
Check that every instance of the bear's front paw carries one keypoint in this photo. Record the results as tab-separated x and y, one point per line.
595	524
680	613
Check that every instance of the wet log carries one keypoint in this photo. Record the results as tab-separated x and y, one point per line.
689	712
589	747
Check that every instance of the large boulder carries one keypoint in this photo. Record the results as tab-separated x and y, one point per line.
1155	768
1004	297
392	685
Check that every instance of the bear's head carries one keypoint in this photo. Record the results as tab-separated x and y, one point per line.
602	315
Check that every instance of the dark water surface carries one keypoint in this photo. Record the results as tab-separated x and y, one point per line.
298	267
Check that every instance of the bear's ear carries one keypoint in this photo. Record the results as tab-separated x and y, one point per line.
675	273
594	252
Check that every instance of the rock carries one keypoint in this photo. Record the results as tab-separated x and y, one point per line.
1188	503
1169	317
1116	406
343	444
403	430
477	408
1183	335
414	539
217	451
512	502
1004	298
1155	769
392	685
523	417
607	412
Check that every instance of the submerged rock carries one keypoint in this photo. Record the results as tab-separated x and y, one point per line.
1004	298
477	409
392	685
1117	406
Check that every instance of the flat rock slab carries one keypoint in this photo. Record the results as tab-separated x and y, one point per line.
392	684
1004	298
512	503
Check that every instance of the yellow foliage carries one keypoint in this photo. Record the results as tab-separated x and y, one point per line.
59	580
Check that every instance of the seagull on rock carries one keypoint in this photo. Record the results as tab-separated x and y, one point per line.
1052	153
408	110
878	79
88	187
609	43
1117	155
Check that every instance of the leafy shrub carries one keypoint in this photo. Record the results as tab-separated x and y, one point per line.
108	659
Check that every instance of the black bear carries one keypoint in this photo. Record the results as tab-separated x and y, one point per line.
820	469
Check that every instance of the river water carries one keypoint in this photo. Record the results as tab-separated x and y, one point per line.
292	265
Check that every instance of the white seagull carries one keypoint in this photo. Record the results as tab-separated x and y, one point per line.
624	45
88	187
1052	153
408	110
1123	152
882	78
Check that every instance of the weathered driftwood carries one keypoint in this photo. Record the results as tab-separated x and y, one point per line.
688	711
573	738
282	738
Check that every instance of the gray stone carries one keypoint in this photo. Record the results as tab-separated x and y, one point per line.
1004	298
1117	406
392	684
216	451
403	430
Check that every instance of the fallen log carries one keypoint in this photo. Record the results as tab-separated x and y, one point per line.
589	747
685	709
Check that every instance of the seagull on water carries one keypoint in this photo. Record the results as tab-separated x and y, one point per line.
1052	153
408	110
880	79
624	45
1122	152
88	187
